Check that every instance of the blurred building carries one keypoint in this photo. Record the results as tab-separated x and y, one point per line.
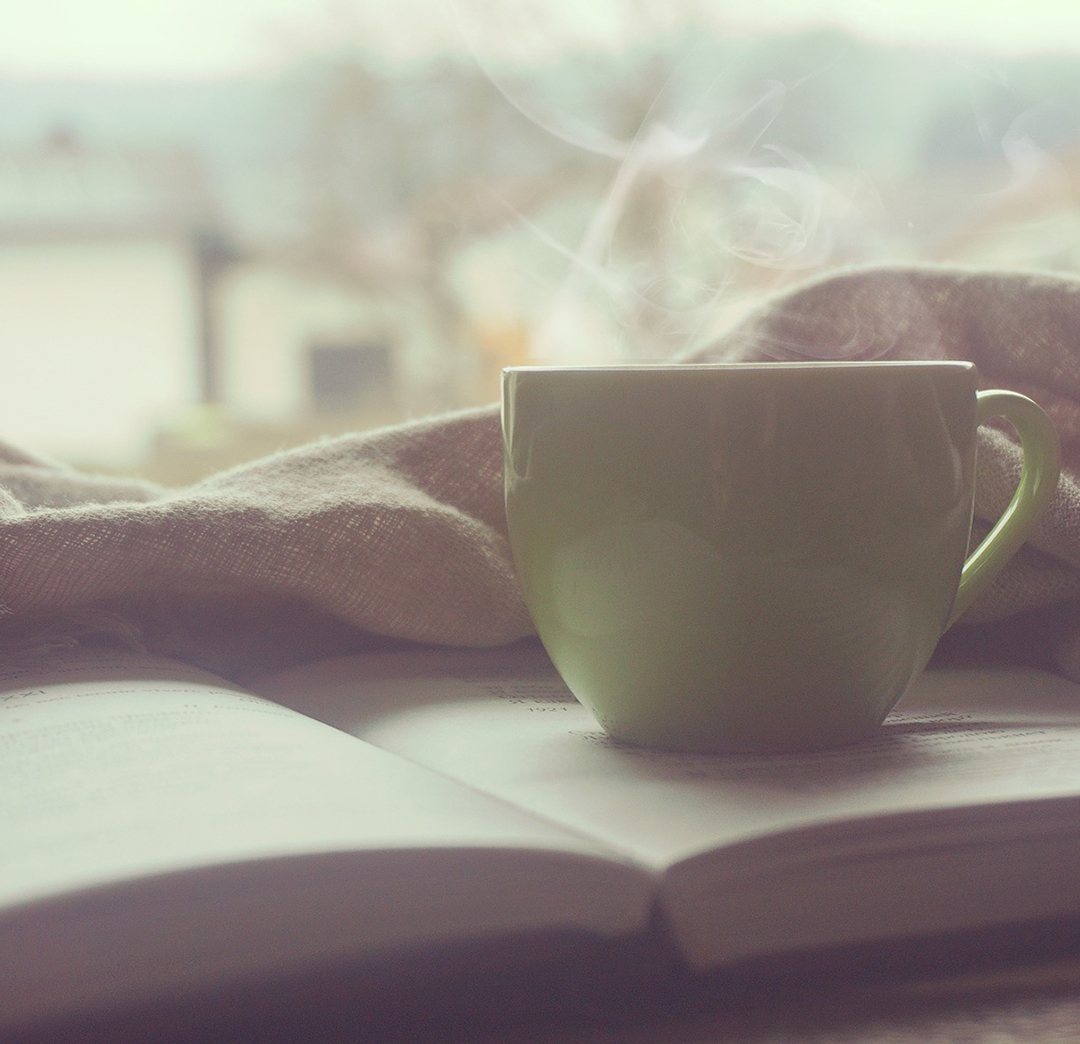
107	259
136	335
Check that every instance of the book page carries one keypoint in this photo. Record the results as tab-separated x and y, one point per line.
117	771
963	811
503	722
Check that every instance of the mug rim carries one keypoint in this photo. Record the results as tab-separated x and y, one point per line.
783	364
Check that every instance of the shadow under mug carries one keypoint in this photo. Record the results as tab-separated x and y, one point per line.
754	557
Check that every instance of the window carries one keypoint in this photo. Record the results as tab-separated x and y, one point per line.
487	182
346	377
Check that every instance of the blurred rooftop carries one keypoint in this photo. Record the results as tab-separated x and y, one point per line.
65	186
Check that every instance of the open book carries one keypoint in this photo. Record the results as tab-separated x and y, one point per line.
161	830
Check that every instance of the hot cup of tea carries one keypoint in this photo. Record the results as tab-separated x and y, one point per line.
754	557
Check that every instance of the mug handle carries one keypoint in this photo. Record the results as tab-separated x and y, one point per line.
1038	481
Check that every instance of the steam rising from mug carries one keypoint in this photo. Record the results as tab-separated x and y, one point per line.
777	214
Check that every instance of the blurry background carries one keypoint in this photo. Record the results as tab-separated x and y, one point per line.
228	226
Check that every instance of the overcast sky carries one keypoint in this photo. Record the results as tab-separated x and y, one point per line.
135	39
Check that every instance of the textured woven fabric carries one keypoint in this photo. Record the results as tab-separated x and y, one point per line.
1023	333
400	533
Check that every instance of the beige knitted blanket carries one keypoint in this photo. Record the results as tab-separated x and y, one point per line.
400	533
